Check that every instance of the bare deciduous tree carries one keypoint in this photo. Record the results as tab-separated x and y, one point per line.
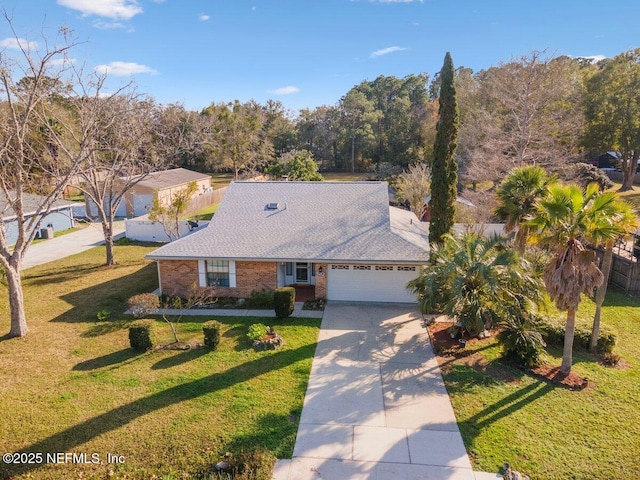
414	185
122	151
527	112
40	149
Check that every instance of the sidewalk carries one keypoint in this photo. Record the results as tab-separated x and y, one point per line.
69	244
298	312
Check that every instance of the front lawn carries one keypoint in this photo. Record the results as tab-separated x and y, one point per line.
544	430
73	385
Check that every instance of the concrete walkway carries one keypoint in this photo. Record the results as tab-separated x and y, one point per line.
69	244
376	406
298	312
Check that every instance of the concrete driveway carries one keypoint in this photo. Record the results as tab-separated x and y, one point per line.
69	244
376	406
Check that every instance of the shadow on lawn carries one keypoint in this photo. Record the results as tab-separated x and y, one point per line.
67	440
113	358
111	295
178	358
102	328
617	298
47	275
273	432
506	406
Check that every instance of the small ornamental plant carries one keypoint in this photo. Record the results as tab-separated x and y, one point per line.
257	331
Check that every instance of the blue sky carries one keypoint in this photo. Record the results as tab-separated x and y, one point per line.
306	53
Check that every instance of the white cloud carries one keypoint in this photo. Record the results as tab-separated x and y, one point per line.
116	9
124	69
109	25
18	44
386	51
202	17
284	90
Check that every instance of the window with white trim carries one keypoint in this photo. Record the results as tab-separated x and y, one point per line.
384	268
362	267
406	269
217	273
339	267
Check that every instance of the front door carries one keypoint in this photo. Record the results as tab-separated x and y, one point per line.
302	272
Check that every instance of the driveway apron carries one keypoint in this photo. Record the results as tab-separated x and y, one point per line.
376	406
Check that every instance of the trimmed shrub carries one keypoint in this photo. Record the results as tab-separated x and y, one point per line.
552	330
143	304
284	300
211	330
141	335
259	299
257	331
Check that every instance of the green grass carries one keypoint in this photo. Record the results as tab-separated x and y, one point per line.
632	196
74	385
549	432
219	180
206	213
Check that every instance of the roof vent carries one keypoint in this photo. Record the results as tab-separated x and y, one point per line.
272	206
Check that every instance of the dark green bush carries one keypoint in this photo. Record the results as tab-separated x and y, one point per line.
552	330
211	330
141	335
521	341
259	299
284	300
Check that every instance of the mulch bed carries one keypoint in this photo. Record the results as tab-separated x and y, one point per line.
573	381
448	351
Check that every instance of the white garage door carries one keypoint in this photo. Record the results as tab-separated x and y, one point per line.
370	283
141	204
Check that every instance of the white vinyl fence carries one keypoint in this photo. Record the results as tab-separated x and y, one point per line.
144	230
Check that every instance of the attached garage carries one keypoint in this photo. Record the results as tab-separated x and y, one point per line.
370	283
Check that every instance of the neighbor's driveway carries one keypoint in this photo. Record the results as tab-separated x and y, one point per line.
69	244
376	406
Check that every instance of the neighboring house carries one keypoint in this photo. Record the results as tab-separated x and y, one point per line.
163	185
59	218
609	160
342	240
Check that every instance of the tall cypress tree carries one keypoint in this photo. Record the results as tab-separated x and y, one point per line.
444	170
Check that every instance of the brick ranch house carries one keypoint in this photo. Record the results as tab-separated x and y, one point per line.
338	240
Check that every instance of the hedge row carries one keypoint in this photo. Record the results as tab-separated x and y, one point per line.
552	330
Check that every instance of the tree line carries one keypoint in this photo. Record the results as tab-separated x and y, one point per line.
59	125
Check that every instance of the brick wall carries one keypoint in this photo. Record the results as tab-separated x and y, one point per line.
180	277
321	281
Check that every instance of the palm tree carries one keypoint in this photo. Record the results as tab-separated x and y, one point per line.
517	197
563	219
623	219
477	280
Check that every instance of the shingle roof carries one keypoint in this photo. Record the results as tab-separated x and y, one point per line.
320	221
31	203
171	178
